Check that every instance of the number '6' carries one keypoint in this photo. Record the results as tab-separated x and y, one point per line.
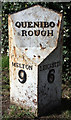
51	76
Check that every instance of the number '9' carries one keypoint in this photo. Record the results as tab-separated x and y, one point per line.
22	76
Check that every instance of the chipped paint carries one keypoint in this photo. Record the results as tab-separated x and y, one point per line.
33	37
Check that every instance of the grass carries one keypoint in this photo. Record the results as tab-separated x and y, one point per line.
12	111
16	112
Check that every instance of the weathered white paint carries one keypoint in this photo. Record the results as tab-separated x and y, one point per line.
34	51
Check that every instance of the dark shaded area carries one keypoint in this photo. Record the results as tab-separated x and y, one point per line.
38	119
65	105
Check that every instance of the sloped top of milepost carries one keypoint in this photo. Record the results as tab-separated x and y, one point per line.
36	45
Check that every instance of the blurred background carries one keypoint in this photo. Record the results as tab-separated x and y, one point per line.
65	9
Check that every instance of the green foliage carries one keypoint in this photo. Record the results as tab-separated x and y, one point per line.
5	62
16	112
64	8
0	63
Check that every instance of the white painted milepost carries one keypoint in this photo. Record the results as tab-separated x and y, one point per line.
35	47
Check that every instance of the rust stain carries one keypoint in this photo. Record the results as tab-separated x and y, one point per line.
11	38
12	56
23	57
18	100
12	21
29	97
34	56
35	95
42	47
38	56
43	25
24	101
19	56
14	59
29	59
14	30
14	51
14	69
26	49
34	101
58	23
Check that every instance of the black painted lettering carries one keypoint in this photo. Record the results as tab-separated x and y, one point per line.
13	64
16	64
41	24
37	32
53	65
51	76
48	66
43	33
50	32
45	67
18	24
58	63
30	25
52	24
24	33
46	24
30	33
30	67
22	76
36	24
24	24
23	66
20	65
